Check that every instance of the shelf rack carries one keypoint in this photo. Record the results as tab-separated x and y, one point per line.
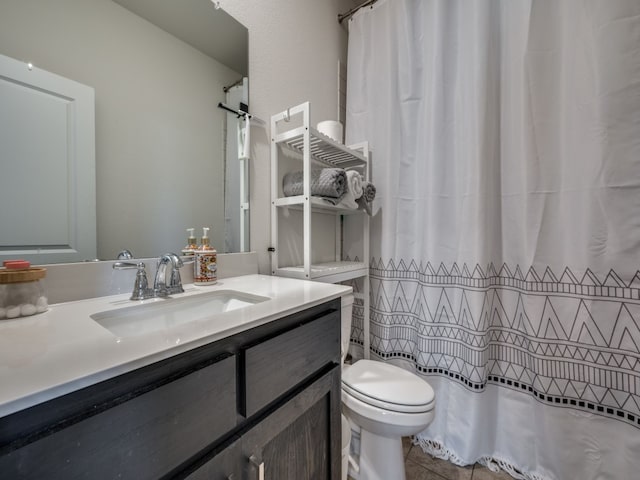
312	147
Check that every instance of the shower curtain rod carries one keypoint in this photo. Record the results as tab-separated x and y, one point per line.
349	14
241	113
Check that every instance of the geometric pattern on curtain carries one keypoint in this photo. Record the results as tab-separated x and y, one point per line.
568	340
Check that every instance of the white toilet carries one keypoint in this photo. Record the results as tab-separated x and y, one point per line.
383	404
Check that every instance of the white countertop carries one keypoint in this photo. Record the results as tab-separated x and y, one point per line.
63	349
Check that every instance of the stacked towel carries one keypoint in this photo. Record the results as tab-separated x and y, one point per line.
344	189
325	182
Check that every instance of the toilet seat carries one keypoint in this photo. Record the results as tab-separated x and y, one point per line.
387	387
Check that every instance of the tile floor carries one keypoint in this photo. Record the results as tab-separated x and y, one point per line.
421	466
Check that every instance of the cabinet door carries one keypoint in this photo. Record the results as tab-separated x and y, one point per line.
300	440
225	465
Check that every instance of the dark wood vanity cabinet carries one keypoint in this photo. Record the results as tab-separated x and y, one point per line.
297	441
262	402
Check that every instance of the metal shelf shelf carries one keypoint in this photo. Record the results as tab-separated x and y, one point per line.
330	272
318	205
323	149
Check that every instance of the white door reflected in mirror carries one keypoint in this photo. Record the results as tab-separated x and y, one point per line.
47	186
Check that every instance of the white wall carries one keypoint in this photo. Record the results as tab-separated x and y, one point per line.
294	48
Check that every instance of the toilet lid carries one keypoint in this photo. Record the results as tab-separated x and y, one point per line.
388	387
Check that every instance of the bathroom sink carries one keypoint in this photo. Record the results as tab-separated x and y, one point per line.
170	312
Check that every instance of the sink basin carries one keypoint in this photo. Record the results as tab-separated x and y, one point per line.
167	313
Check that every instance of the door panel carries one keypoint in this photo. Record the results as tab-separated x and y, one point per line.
294	442
47	135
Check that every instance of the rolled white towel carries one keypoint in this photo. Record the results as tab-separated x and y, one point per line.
354	191
354	184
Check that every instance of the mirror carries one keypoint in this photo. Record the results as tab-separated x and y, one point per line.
159	69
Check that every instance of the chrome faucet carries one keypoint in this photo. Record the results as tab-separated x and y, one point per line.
161	287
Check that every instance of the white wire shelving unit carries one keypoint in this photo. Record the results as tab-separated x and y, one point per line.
300	140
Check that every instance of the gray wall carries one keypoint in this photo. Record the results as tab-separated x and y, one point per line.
294	48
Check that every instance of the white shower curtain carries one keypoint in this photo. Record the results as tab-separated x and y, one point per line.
506	230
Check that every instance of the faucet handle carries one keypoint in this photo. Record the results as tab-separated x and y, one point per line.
141	288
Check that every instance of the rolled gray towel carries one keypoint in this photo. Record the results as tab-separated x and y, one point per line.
325	182
369	191
368	194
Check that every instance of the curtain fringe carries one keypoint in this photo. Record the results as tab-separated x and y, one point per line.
438	450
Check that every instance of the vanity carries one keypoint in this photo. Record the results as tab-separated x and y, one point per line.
247	393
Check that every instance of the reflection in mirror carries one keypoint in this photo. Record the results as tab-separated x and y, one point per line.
160	140
237	179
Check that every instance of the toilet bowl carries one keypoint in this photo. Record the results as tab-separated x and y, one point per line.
384	403
387	403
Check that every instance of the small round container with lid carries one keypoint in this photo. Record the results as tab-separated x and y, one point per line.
21	290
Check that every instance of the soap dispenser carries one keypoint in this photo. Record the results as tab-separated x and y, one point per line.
192	244
205	266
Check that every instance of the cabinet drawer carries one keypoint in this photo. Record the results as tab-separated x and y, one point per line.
273	367
144	437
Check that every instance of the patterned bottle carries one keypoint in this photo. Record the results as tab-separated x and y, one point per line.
205	266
